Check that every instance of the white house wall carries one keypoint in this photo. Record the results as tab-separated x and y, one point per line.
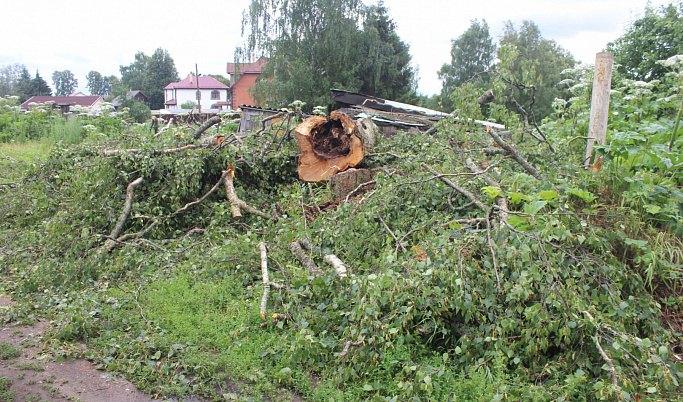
184	95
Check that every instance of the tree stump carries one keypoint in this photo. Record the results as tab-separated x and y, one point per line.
344	183
327	146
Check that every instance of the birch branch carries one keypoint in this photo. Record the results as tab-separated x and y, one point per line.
205	126
457	188
113	152
391	233
237	205
502	200
348	345
266	280
304	259
615	380
163	130
515	155
338	265
130	190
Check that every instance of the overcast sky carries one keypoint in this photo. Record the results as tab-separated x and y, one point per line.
86	35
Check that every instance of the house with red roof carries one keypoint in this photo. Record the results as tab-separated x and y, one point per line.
65	103
243	76
205	91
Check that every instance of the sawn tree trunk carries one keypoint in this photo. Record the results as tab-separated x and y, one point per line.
327	146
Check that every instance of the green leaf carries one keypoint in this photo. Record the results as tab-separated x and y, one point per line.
652	208
455	225
535	206
491	191
368	387
548	195
517	198
587	196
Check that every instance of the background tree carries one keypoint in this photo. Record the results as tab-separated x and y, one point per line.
149	74
386	67
315	45
547	59
471	53
39	86
138	111
220	78
160	72
98	84
64	82
133	74
9	78
24	89
657	35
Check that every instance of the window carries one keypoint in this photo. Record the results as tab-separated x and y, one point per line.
215	95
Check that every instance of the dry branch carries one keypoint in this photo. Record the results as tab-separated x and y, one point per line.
266	280
130	190
205	126
515	155
457	188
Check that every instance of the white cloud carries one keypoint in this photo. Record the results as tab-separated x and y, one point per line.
85	35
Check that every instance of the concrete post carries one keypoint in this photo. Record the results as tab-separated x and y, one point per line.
602	83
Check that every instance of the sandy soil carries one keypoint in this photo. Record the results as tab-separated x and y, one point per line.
74	380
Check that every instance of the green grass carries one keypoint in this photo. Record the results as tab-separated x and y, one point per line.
7	351
24	151
5	394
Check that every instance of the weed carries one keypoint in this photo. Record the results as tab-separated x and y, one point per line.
9	351
32	366
5	393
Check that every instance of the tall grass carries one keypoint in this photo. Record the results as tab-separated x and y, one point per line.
66	131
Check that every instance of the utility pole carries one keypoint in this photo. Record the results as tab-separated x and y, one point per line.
199	94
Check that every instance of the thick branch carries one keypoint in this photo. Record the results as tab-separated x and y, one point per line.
305	259
237	205
205	126
266	280
457	188
163	130
338	265
130	190
515	155
113	152
232	196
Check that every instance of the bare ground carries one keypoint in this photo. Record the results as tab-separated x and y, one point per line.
36	380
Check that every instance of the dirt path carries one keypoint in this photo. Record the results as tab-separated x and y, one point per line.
36	380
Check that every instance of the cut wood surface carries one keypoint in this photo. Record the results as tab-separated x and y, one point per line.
327	146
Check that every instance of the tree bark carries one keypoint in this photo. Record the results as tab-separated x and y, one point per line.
327	146
127	206
207	124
